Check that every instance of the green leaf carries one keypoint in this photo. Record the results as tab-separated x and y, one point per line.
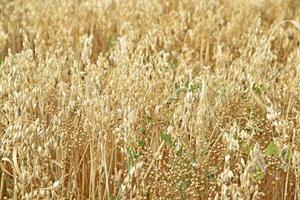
111	42
142	143
174	63
177	88
211	174
193	88
1	61
286	154
143	130
247	148
257	175
186	84
183	188
257	89
272	150
167	138
149	118
132	154
220	92
180	151
283	166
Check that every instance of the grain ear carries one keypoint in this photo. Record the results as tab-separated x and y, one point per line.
296	24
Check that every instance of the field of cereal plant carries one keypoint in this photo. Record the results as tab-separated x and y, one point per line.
150	99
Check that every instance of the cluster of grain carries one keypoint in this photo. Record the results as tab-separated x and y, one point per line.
149	99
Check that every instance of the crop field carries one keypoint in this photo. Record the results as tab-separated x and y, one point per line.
150	99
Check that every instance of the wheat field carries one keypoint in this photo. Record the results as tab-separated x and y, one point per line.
150	99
